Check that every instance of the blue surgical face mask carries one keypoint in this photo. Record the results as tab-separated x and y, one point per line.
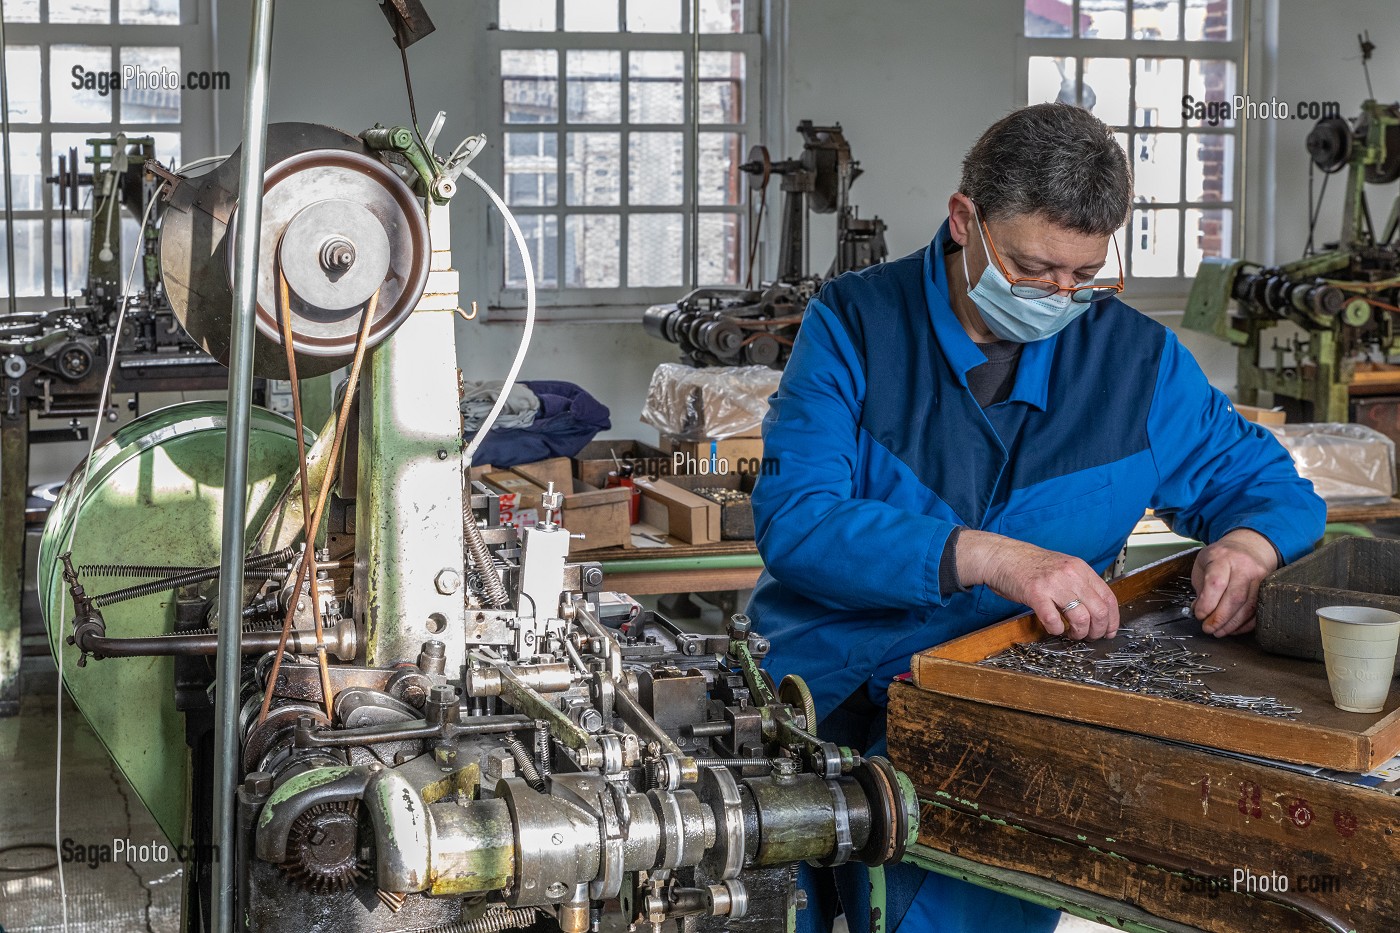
1011	317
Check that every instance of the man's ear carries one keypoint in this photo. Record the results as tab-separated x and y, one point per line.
960	217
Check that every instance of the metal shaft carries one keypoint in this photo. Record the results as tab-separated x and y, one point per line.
240	393
9	189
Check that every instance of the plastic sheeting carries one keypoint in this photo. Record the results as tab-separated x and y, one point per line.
710	403
1347	463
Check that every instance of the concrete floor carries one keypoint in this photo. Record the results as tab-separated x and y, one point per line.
98	807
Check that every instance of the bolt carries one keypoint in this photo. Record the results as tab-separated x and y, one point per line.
592	576
558	888
442	453
557	839
258	782
448	581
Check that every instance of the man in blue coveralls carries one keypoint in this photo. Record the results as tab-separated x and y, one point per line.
976	428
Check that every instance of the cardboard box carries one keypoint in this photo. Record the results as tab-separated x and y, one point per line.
600	515
1262	415
595	461
730	455
735	517
683	514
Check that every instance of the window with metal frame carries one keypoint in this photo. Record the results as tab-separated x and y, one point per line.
622	126
81	69
1162	74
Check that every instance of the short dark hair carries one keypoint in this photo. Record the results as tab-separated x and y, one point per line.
1056	160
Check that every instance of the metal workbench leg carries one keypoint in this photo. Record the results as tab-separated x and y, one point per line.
14	493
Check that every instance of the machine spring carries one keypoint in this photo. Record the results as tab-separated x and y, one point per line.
257	567
496	920
493	589
542	749
525	763
156	570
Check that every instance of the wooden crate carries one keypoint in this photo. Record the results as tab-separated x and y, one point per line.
1321	735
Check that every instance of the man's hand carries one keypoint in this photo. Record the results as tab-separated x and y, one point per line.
1046	581
1226	576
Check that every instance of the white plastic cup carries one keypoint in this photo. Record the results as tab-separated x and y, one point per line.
1359	646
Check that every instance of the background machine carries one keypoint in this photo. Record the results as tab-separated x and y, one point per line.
1344	301
728	326
438	722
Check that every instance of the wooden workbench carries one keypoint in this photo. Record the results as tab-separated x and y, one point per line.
1159	826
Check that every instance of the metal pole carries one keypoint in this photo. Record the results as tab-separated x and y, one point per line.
240	391
9	189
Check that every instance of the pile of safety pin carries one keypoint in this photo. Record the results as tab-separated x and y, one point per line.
1148	663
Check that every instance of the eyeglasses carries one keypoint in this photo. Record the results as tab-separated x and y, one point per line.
1027	287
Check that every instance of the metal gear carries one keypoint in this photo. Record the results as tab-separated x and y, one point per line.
323	848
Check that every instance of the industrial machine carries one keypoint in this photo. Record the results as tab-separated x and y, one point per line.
432	721
52	363
1344	300
729	326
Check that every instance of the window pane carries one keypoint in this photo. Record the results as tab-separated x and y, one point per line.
655	168
27	183
21	11
1210	167
722	87
593	168
531	164
29	259
590	15
1103	19
80	11
594	86
1207	234
151	88
1050	19
1157	167
655	244
158	12
721	15
77	255
527	15
654	16
593	251
26	76
1158	88
1050	79
168	148
1213	81
1105	91
530	83
656	93
542	240
1153	242
719	249
1208	19
91	102
1157	19
721	154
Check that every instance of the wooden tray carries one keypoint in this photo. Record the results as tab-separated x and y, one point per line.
1321	735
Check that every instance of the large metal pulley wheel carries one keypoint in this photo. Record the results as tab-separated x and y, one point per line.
338	223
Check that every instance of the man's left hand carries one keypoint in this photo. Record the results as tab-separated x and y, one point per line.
1226	576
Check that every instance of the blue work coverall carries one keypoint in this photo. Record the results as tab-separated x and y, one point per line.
881	451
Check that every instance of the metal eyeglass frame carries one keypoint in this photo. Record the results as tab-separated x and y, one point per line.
1047	287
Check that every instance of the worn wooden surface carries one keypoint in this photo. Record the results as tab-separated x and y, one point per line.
1320	735
1147	822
